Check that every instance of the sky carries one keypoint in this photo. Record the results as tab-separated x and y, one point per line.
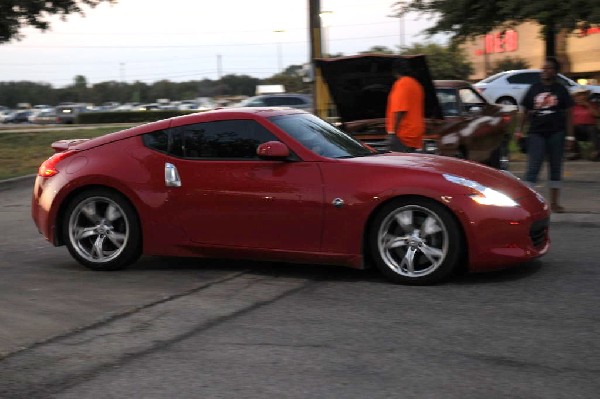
182	40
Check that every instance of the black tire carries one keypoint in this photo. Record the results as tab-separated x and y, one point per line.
506	101
415	241
494	159
102	231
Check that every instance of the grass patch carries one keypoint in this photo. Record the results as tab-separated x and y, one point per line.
21	153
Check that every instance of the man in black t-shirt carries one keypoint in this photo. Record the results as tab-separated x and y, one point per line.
547	109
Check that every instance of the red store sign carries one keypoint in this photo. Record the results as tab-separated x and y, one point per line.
501	42
590	31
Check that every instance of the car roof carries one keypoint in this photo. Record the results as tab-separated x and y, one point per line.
217	114
451	83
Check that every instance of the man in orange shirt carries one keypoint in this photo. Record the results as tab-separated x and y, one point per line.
405	123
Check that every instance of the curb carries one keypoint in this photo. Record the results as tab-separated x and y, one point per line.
15	181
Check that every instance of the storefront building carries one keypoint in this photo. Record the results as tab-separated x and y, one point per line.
578	52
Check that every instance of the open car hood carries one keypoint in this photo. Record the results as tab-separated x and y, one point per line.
359	85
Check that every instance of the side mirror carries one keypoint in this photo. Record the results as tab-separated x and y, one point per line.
273	150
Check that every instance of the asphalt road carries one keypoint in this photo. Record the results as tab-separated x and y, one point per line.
189	328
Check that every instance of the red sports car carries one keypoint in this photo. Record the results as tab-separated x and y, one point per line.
281	184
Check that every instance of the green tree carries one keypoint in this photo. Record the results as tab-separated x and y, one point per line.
510	63
291	79
238	84
445	62
378	50
468	18
17	14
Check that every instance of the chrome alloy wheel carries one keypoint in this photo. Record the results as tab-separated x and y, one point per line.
98	229
413	241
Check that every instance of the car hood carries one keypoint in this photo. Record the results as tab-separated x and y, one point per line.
359	85
434	164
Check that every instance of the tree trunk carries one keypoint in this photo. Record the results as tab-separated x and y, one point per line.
550	38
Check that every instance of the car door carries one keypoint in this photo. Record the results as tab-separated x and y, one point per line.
230	197
483	132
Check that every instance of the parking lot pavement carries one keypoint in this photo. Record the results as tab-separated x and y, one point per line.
580	194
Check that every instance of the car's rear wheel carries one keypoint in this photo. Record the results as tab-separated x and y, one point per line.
415	241
102	230
506	101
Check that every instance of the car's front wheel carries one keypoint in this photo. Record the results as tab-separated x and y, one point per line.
102	230
415	241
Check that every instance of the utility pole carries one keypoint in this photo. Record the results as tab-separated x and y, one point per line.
219	67
279	52
320	91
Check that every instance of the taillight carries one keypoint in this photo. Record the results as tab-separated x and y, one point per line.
48	168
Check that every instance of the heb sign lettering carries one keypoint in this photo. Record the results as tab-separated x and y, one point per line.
501	42
589	31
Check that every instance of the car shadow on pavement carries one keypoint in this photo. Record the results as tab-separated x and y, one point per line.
513	273
263	268
321	272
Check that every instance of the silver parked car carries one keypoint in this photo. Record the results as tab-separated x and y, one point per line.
294	100
509	87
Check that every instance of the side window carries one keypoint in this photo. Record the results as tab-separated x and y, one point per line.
471	100
158	141
293	101
272	101
526	78
232	139
469	96
448	101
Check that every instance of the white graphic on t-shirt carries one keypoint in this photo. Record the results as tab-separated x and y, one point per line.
544	102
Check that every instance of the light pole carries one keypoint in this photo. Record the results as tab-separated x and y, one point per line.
279	52
325	17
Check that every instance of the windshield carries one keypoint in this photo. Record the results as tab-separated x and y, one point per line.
320	137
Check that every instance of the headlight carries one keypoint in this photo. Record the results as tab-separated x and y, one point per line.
483	195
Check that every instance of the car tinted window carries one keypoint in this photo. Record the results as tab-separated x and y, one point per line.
272	101
158	141
320	137
448	99
524	78
292	101
232	139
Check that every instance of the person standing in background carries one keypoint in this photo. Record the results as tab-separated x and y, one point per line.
547	105
585	114
405	123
